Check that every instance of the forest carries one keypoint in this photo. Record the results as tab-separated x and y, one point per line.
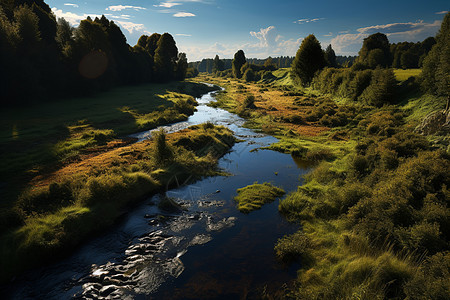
54	60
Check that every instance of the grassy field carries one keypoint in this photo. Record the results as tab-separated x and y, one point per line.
38	137
374	212
402	75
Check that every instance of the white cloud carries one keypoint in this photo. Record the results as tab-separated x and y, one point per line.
350	43
123	17
122	7
71	4
167	4
303	21
266	36
271	43
329	34
183	34
132	27
183	15
72	18
442	12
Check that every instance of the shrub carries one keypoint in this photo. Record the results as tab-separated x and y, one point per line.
162	153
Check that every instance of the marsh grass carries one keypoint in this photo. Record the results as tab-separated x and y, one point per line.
253	197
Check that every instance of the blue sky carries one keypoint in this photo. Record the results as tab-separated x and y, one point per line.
204	28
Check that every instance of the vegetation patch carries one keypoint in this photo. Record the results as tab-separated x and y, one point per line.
253	197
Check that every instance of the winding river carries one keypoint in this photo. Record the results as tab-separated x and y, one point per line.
209	251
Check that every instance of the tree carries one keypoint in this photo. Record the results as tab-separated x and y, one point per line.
64	33
238	61
218	64
308	60
181	67
269	65
166	55
330	57
436	66
372	43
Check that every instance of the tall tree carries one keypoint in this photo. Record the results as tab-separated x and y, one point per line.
436	66
379	43
218	64
330	57
238	61
166	55
308	60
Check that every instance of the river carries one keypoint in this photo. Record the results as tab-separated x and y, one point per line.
209	251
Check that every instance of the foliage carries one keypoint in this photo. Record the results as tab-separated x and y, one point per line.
308	60
436	66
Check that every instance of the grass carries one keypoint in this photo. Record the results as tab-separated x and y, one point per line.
64	207
402	75
40	137
253	197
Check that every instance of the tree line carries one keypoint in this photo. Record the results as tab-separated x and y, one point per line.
370	78
44	58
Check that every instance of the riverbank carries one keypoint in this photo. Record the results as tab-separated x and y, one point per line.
68	200
374	212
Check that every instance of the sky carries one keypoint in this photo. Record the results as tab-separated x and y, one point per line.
262	28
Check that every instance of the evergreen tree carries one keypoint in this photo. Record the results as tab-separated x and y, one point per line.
436	66
308	60
218	64
238	61
330	57
181	67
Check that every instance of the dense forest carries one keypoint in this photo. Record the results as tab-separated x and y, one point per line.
53	60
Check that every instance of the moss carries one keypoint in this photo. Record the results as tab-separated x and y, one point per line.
253	197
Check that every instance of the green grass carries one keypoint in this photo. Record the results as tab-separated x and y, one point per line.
253	197
38	136
402	75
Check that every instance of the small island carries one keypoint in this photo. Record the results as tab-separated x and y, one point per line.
253	197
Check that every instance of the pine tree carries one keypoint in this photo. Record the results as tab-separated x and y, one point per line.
436	66
330	57
308	60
